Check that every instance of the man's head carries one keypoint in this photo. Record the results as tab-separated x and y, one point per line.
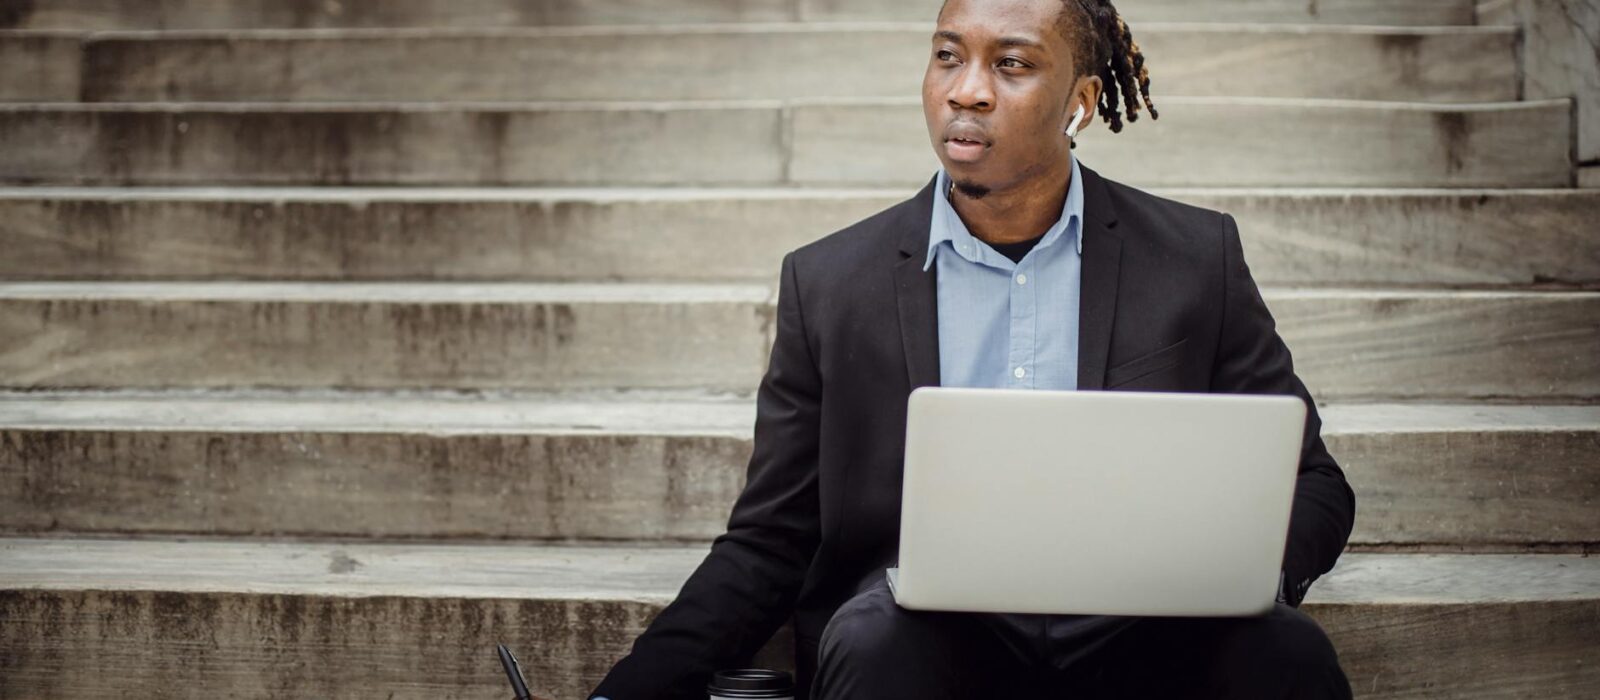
1005	77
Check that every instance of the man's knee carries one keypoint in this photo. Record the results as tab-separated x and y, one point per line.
1293	639
873	648
867	626
1285	648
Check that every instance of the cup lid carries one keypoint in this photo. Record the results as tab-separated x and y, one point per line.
751	679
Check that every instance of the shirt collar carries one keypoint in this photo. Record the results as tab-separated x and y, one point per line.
946	225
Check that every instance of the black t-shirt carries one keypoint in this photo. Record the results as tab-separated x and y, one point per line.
1016	251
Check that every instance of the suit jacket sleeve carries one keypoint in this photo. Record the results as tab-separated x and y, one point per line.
747	586
1252	358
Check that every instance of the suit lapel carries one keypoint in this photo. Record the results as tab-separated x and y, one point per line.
916	292
1102	268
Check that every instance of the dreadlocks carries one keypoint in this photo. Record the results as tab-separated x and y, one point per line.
1104	42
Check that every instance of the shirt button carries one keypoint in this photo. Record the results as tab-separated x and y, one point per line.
1019	373
1022	279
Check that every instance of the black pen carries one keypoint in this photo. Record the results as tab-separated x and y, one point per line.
519	687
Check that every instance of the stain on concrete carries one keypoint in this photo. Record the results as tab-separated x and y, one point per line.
1404	51
341	563
14	13
1454	136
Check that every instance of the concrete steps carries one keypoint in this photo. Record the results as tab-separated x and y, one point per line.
1348	344
664	62
1350	237
202	618
658	467
551	407
1213	142
226	14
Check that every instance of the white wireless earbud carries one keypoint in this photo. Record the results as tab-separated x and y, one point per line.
1077	118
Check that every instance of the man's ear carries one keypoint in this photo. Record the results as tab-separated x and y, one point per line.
1086	93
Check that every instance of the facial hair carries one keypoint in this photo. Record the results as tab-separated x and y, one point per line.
971	189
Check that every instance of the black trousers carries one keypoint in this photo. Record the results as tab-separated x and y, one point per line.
873	648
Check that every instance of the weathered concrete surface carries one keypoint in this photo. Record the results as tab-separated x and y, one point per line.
411	144
625	467
832	142
1410	12
227	14
379	466
375	336
1469	474
1459	345
1219	141
1560	55
200	619
1472	238
310	14
40	66
1448	64
1539	346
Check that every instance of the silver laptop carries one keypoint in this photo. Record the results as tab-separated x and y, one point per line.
1093	502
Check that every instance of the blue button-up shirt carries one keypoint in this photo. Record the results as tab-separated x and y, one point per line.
1004	324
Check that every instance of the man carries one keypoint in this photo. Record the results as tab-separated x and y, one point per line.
958	286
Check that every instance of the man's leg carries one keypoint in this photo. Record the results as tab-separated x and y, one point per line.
1282	654
873	648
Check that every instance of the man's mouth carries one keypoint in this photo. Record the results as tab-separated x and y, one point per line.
965	141
964	150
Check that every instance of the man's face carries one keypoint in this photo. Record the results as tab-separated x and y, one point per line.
995	95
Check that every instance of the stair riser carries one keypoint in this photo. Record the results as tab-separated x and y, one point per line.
1497	490
1471	239
1222	143
1197	142
84	644
226	14
1465	66
41	68
627	487
1504	488
84	343
1535	347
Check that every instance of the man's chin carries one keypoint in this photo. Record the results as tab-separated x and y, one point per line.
971	188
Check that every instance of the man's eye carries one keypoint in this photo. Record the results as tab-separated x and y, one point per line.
945	55
1009	62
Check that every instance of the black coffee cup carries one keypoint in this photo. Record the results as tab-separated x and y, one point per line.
745	683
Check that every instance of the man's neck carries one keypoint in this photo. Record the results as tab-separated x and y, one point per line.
1017	214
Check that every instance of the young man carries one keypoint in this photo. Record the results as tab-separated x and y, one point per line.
1015	267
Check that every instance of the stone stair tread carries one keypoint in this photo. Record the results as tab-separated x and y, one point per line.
481	570
623	412
654	413
1346	418
653	574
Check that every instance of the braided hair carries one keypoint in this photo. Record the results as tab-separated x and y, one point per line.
1104	42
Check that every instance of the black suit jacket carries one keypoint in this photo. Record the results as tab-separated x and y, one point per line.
1167	304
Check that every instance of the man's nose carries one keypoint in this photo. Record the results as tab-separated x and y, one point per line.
973	89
